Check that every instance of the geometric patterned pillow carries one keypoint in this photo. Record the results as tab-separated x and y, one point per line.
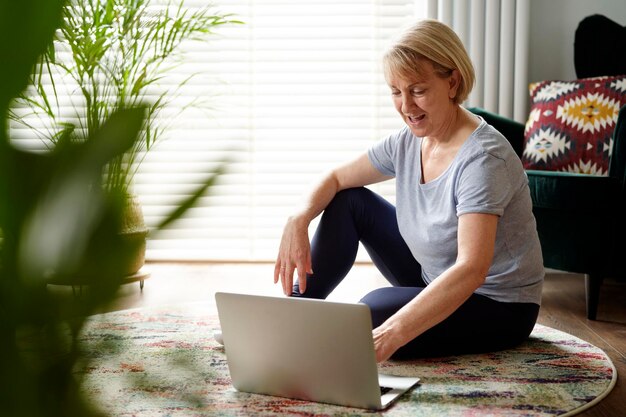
571	124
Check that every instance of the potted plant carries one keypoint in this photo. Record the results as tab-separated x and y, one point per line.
52	210
108	55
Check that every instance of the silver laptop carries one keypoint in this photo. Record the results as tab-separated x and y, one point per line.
306	349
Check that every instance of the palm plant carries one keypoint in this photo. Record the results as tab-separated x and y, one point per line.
109	55
112	54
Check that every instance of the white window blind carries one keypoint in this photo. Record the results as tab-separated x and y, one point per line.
292	92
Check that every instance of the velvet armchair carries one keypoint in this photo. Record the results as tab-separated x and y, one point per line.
581	218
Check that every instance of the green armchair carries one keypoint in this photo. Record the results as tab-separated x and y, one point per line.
581	219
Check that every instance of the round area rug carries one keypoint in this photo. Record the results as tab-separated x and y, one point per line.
165	362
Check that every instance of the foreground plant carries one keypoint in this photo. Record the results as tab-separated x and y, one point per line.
53	211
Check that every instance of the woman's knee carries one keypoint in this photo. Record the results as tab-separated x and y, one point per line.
348	198
385	302
361	206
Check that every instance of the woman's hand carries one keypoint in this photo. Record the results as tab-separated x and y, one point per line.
386	342
294	253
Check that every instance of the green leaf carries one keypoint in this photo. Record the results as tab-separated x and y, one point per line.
68	211
26	29
188	203
116	135
138	85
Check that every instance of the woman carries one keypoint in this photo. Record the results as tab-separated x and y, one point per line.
460	249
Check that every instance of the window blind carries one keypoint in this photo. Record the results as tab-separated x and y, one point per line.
290	93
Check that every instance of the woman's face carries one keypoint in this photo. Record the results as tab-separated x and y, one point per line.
425	101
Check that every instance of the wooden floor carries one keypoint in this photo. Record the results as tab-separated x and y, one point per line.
563	305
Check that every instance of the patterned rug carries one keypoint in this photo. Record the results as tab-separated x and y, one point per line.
164	362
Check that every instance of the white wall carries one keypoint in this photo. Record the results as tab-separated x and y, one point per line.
552	27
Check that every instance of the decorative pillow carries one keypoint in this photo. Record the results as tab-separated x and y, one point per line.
571	123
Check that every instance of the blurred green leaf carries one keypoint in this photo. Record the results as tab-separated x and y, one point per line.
26	29
56	235
186	204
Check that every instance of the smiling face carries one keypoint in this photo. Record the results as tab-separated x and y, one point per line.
426	100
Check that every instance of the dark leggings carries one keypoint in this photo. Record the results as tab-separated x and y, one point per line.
359	215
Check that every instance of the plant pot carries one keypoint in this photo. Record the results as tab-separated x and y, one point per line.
99	263
134	233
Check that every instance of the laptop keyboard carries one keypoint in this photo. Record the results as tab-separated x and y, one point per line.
384	390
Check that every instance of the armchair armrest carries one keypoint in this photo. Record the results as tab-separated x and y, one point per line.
574	192
512	130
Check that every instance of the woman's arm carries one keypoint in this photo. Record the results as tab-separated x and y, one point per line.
476	242
295	252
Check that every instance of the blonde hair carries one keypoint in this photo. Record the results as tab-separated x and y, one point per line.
436	42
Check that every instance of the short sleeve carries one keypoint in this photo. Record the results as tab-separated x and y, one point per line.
484	186
383	154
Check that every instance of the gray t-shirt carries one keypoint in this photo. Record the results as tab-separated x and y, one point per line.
486	176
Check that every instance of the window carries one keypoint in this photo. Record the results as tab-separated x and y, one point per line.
294	91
